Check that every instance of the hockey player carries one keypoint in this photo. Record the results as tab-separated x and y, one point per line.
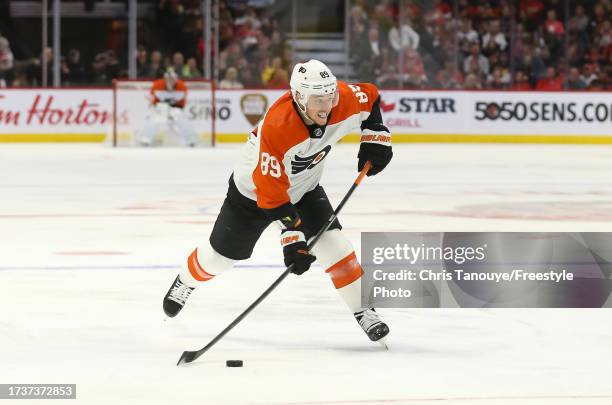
277	180
168	99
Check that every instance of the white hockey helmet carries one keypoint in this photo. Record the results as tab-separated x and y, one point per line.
312	78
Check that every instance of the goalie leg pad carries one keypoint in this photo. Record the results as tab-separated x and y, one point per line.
186	130
203	264
149	133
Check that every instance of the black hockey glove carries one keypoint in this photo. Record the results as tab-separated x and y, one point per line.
292	239
379	155
295	251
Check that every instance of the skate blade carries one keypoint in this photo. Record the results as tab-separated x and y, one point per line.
383	343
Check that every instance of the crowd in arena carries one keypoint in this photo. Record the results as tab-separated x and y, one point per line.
484	44
454	44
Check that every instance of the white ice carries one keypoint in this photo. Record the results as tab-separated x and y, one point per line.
91	238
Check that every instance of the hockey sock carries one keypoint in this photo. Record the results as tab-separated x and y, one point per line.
203	264
336	254
346	276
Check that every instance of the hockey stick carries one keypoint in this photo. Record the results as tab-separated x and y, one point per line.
189	356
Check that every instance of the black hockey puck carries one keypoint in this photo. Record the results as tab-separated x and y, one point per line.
233	363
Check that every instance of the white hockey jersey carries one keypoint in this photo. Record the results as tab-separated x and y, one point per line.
283	158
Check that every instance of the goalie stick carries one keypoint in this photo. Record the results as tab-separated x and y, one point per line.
190	356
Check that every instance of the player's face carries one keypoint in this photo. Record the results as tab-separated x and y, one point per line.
319	107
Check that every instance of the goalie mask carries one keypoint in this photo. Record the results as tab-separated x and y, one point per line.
313	86
170	78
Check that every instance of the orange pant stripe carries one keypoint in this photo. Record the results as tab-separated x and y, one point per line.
195	269
345	271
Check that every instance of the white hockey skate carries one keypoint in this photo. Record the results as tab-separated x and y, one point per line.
176	297
372	325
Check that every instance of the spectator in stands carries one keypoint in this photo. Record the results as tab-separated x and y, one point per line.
580	18
605	32
553	25
156	67
276	46
73	71
190	70
249	17
142	62
588	74
287	57
21	79
494	38
534	63
531	12
359	16
268	71
476	58
554	34
99	73
472	82
248	36
358	23
551	82
113	69
438	14
574	82
450	77
413	68
178	62
600	16
230	56
596	85
367	56
403	37
498	79
466	36
35	70
521	81
6	63
279	80
231	80
248	73
389	77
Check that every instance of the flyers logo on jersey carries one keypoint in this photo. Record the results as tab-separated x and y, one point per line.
299	164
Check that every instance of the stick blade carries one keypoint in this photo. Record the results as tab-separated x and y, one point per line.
187	357
383	343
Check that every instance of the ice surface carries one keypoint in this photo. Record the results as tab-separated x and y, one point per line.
91	238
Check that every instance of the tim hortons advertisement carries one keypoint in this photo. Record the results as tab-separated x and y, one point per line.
55	115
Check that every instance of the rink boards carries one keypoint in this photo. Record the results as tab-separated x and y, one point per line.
85	115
